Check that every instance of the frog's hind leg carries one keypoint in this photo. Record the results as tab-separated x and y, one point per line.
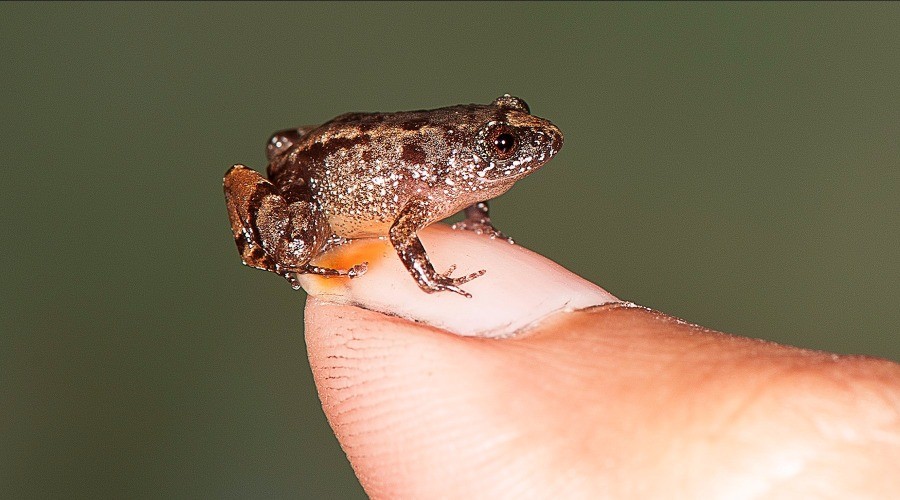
272	234
293	276
245	192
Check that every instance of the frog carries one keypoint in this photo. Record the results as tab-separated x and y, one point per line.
383	175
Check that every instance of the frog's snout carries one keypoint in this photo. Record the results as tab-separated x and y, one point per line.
556	138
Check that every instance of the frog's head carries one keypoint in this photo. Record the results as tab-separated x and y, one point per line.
512	143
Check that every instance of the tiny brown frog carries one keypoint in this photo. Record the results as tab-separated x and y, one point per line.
364	175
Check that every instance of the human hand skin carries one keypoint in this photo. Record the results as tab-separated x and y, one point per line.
611	401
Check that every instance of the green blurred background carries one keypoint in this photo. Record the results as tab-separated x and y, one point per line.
732	164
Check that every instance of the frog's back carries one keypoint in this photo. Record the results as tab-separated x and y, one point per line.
361	168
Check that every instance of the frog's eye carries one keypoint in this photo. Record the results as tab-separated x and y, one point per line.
503	142
511	102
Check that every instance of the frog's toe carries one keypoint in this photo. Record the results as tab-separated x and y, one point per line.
358	270
445	276
443	283
439	287
293	279
469	277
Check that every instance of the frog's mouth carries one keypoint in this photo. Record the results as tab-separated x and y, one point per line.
493	173
483	173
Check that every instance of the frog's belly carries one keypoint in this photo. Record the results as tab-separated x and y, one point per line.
347	226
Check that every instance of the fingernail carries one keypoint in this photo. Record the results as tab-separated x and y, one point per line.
519	288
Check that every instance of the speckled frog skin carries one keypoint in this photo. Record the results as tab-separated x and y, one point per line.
364	175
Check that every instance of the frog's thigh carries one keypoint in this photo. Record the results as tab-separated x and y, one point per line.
246	192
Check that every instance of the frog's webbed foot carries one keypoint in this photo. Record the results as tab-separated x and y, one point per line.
292	276
411	252
478	221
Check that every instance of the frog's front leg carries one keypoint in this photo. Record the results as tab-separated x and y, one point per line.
409	248
272	234
478	220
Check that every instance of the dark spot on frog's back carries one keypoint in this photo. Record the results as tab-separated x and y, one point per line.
413	153
364	122
339	143
318	151
351	117
414	124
